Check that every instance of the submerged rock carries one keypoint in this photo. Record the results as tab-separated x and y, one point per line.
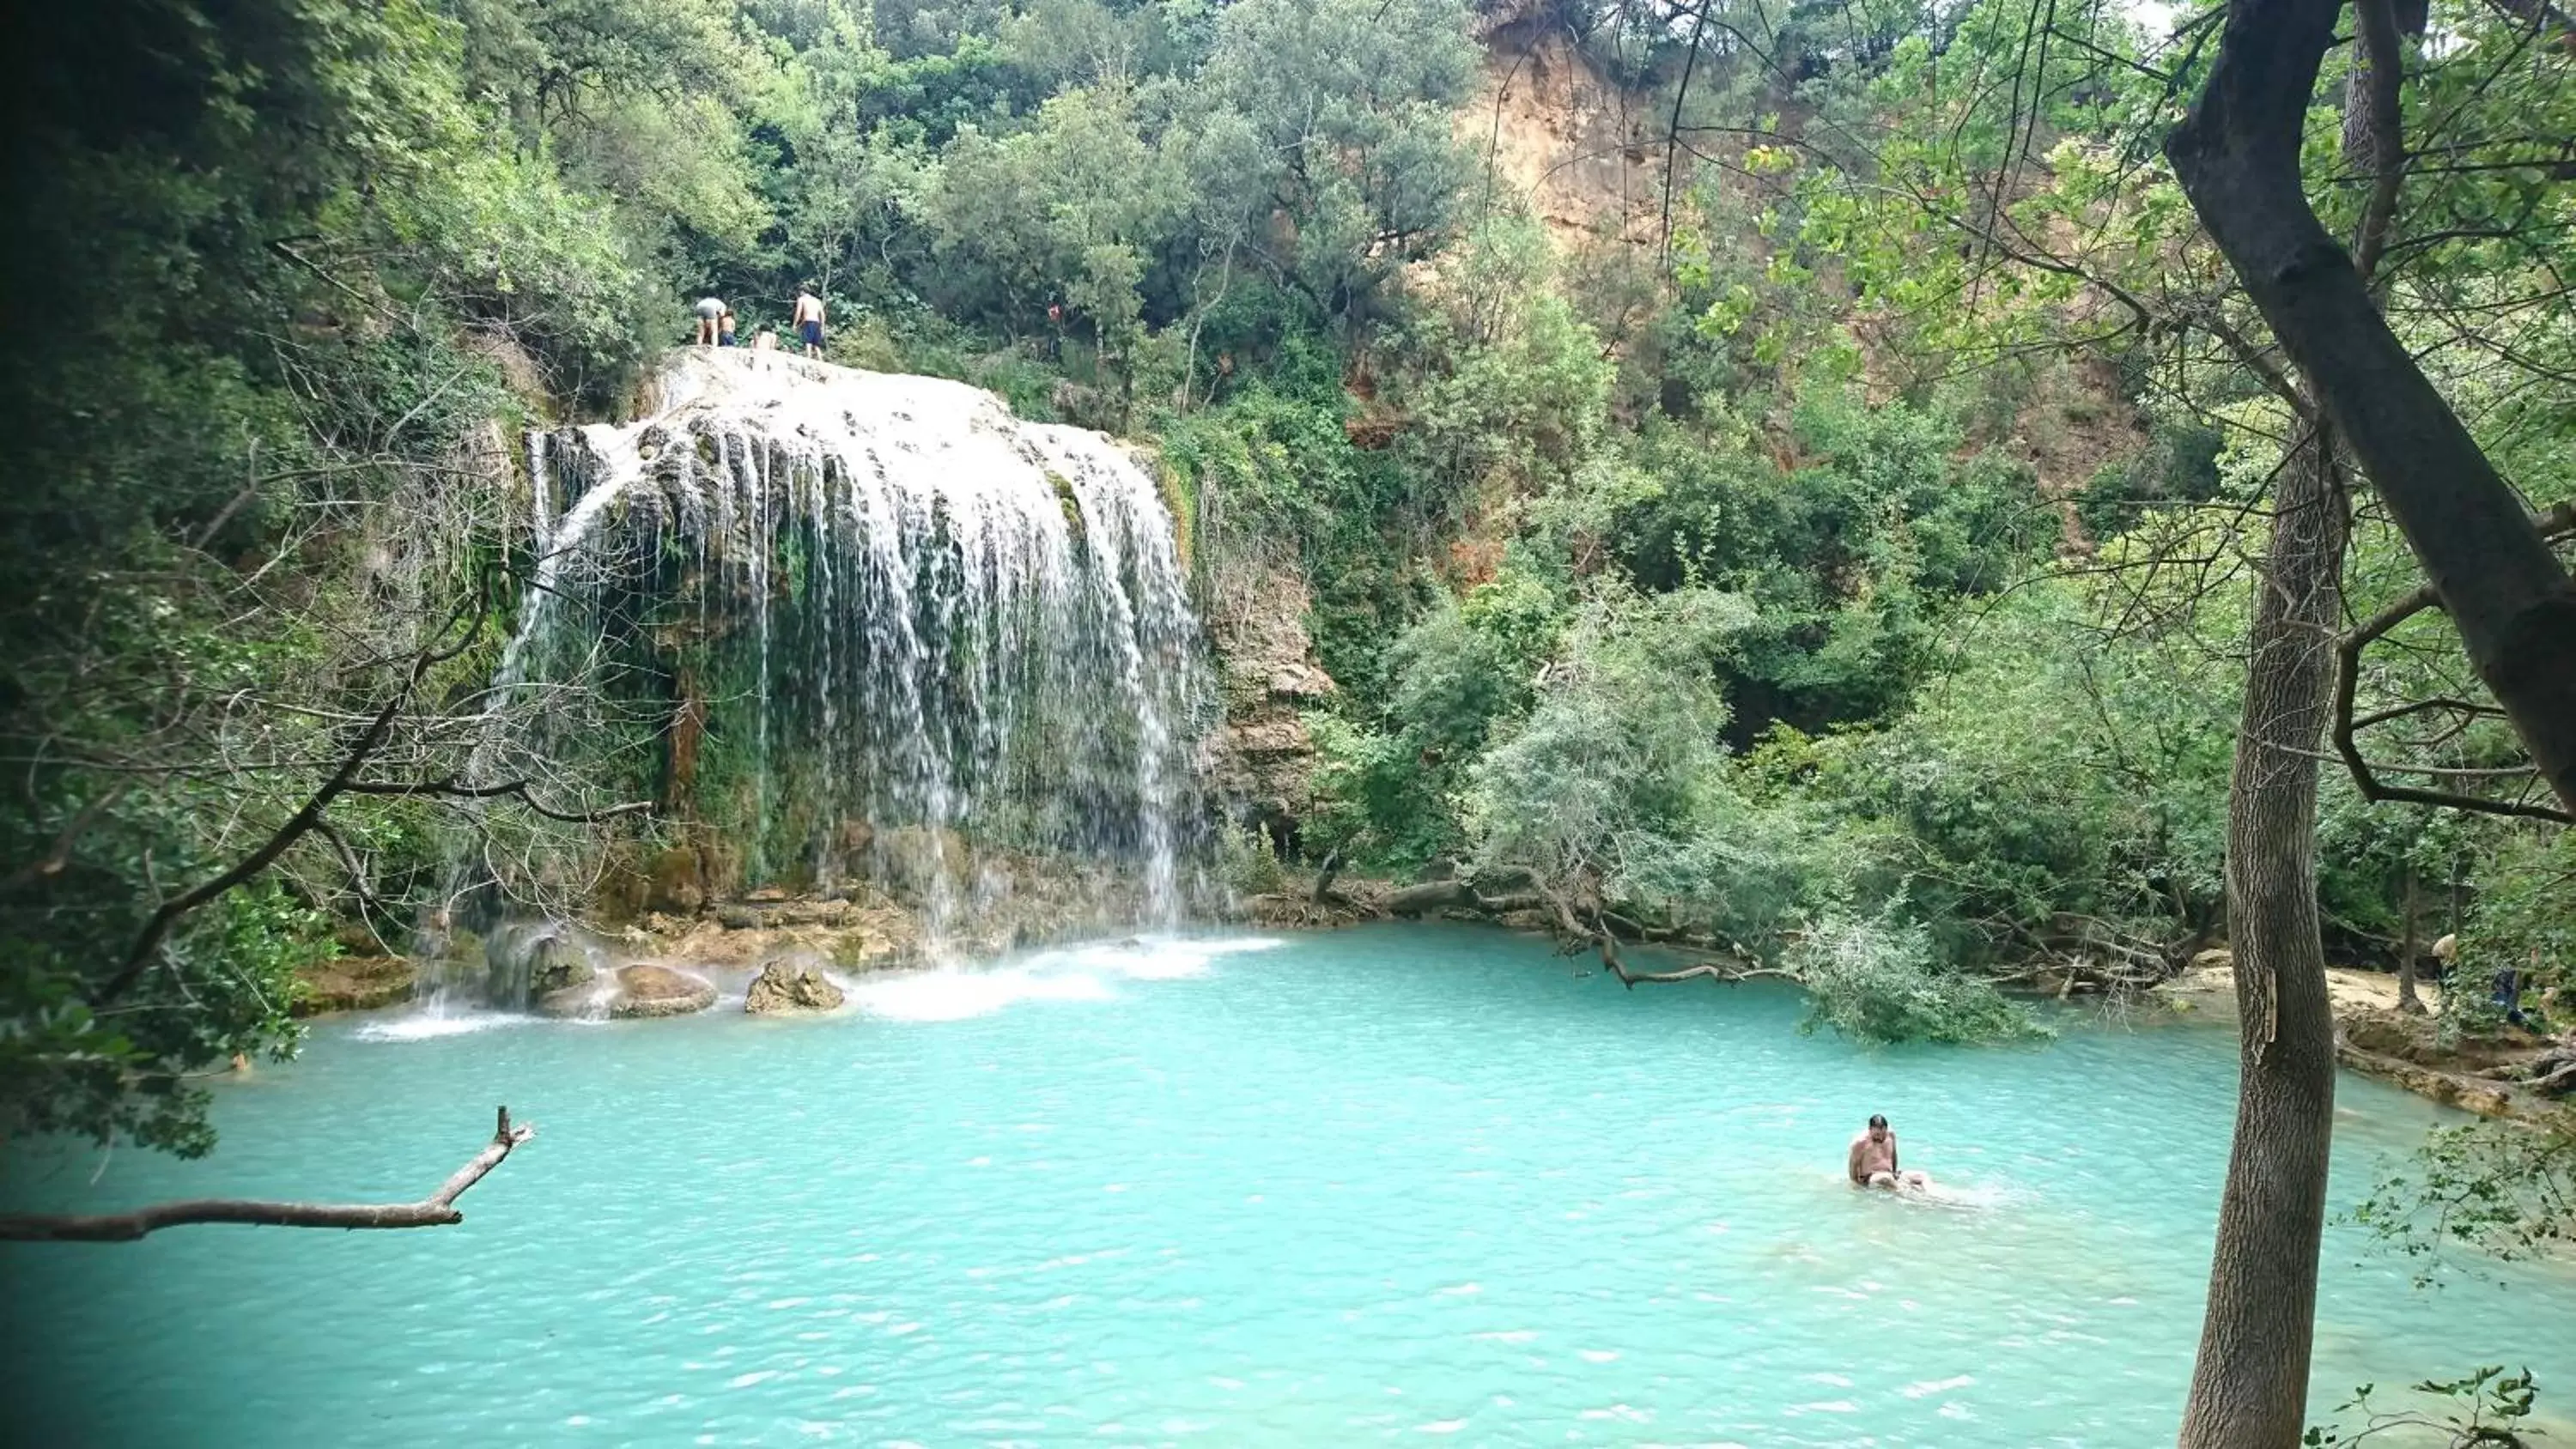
784	986
534	960
649	990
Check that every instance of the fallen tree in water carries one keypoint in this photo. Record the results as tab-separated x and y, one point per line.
437	1210
1729	973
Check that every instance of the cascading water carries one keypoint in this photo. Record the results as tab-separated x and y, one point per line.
858	623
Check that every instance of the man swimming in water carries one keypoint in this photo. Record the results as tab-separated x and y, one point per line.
1873	1159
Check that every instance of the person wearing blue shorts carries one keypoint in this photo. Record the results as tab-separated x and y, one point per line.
809	321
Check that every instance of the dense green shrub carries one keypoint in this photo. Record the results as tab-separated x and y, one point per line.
1877	980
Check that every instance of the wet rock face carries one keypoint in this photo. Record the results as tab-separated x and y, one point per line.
558	964
646	990
912	860
1063	614
354	983
674	884
786	986
1261	762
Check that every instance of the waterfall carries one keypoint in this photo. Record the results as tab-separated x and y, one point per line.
850	623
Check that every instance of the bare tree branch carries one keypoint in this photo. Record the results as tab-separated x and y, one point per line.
452	789
2347	727
437	1210
147	945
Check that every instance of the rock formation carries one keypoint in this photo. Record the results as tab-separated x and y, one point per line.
354	983
645	990
1261	763
785	986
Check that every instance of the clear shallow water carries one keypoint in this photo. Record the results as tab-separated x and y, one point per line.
1386	1185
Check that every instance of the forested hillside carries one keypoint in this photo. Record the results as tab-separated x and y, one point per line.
1788	478
1927	499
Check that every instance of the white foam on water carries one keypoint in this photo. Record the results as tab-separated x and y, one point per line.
1162	958
956	994
429	1025
1966	1196
1963	1195
1070	973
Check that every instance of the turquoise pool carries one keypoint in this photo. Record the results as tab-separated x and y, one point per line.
1389	1185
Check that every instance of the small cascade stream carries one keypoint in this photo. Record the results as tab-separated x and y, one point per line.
851	624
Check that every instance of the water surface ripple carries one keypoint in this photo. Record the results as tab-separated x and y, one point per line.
1370	1186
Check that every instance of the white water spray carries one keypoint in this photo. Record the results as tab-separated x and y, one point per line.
909	620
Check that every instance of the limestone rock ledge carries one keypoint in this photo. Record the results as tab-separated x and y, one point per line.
1261	762
354	983
2513	1075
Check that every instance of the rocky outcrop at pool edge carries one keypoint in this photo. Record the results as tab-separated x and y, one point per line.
785	987
645	990
2510	1074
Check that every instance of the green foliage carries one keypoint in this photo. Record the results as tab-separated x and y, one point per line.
1875	979
2052	772
298	257
1335	113
1517	383
2180	466
1247	862
510	245
1625	724
2502	1190
2525	913
1852	553
67	1067
1373	801
2483	1408
1110	198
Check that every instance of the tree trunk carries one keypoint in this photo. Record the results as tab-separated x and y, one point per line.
2249	1389
2459	893
2407	1000
2237	156
1431	895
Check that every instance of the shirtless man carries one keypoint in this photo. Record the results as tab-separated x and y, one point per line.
1873	1159
809	322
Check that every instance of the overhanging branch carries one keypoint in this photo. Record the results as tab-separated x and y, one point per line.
437	1210
156	930
453	789
2347	727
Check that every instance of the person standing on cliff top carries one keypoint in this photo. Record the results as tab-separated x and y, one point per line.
710	310
1873	1159
809	321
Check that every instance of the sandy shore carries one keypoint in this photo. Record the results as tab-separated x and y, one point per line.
2210	985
